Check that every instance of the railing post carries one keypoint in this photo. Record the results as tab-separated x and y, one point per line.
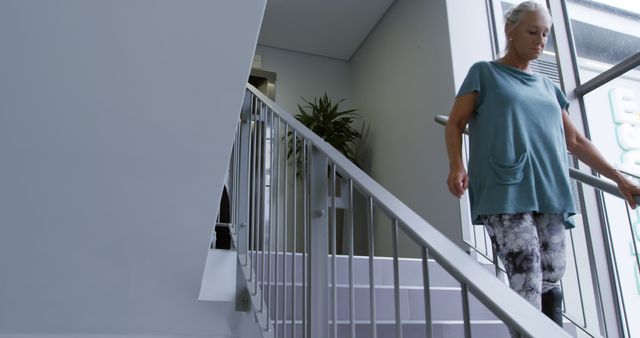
319	249
242	175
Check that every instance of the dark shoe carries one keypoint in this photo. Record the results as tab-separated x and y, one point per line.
552	305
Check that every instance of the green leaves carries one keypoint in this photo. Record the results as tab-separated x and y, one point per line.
334	126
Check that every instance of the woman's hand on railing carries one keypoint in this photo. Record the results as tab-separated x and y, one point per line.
628	189
458	181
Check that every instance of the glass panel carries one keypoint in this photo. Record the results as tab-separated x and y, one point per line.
613	112
605	32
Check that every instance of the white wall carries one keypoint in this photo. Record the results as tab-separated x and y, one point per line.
468	46
306	75
116	123
402	78
469	36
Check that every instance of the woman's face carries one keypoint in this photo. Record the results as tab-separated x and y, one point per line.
529	37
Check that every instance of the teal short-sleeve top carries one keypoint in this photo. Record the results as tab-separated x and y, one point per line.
518	158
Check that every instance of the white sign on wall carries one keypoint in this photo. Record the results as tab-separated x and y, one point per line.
626	115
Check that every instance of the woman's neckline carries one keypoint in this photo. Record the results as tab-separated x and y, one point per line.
514	69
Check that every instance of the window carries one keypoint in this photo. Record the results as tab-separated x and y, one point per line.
606	33
602	34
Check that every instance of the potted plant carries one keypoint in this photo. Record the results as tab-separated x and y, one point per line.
326	119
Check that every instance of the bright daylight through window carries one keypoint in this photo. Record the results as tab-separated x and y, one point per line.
607	32
604	34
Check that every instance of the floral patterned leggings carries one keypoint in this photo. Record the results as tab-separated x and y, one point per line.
531	247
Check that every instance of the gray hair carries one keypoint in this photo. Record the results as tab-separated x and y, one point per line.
515	14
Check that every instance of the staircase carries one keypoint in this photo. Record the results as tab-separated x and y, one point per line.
284	224
447	315
308	290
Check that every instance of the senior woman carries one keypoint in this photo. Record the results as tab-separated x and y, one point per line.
518	181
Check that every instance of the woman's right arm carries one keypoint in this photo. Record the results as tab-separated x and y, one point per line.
461	113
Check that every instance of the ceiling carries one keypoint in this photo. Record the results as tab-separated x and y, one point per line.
332	28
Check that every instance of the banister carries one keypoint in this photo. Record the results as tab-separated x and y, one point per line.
494	294
577	175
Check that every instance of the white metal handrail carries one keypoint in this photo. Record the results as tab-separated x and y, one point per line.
253	234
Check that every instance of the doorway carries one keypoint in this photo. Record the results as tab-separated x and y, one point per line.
264	81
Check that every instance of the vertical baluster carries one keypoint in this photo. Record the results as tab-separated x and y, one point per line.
475	236
252	165
396	278
263	143
249	171
486	243
372	290
237	178
352	298
333	252
242	195
254	195
276	201
495	260
234	178
427	292
270	219
236	189
318	247
285	235
584	320
465	310
575	262
294	176
259	194
305	216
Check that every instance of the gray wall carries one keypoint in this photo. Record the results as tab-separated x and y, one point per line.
405	73
116	123
402	78
306	75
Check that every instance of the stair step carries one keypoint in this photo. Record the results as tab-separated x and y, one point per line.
480	329
410	270
411	303
446	301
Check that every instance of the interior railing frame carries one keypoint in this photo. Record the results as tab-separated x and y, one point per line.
262	128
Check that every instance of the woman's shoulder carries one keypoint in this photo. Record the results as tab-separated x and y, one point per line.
481	65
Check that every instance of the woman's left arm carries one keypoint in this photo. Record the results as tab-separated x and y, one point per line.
586	152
